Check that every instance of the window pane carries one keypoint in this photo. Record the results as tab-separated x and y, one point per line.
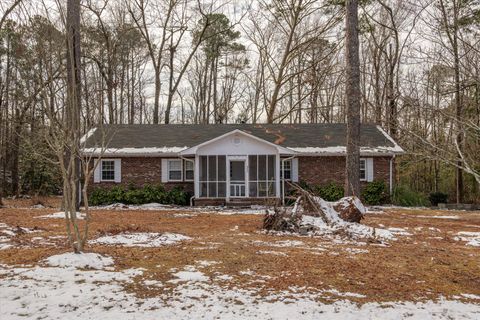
203	168
175	164
253	189
212	168
222	189
262	189
175	175
203	189
212	189
237	170
252	164
189	175
222	168
262	167
108	170
271	189
271	167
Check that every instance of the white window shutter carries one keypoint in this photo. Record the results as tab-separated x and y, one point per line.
96	173
369	169
295	169
118	170
164	170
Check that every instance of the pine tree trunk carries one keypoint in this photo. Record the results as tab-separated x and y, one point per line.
352	176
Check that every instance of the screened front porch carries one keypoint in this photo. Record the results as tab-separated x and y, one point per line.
234	176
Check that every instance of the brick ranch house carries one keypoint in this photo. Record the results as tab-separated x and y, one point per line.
231	163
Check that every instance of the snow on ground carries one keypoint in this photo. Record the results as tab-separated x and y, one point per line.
7	233
60	215
254	209
139	239
79	260
472	238
439	217
58	293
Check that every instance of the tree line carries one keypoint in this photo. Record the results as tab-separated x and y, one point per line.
275	61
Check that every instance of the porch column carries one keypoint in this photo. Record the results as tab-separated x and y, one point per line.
277	175
196	177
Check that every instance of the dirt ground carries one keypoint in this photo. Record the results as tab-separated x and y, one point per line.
425	265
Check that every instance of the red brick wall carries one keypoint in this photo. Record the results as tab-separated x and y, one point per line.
140	171
322	170
312	170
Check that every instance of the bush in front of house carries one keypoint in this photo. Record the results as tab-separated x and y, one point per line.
406	197
437	197
375	193
134	195
330	192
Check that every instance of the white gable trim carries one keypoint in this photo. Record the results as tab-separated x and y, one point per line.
193	150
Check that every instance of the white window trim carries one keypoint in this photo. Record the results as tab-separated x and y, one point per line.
193	169
366	169
168	170
101	170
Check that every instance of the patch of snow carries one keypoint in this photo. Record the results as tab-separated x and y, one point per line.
439	217
190	274
60	215
472	238
79	260
139	239
57	293
399	231
275	253
133	151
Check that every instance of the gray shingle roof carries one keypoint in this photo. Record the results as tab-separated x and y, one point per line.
189	135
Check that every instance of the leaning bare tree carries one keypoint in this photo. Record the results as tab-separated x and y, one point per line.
353	96
68	131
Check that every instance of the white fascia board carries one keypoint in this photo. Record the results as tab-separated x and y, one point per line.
193	150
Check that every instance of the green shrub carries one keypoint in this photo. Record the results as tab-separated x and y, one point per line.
437	197
406	197
329	192
133	195
375	193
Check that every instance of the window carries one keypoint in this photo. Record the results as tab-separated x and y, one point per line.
108	170
262	175
286	172
213	176
363	169
175	170
189	170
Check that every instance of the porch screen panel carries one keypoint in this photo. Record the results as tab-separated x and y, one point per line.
222	176
212	176
271	173
262	174
252	176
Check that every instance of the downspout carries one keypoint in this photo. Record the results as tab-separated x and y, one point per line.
283	177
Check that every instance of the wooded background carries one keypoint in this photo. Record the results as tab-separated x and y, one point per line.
188	61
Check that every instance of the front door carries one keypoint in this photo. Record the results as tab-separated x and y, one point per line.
237	178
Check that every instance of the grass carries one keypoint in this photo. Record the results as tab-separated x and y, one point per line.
424	266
